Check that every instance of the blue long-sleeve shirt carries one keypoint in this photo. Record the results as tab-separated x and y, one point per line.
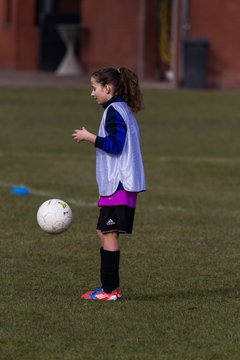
116	128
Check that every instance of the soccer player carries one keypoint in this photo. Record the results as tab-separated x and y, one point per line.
119	168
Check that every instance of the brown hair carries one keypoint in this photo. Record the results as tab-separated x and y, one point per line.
125	83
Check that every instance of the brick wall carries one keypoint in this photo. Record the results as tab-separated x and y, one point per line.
111	33
151	40
18	35
219	22
111	36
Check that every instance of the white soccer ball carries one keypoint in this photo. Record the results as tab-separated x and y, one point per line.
54	216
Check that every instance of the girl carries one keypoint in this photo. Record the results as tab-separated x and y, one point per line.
119	168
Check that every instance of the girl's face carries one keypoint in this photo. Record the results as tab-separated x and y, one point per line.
101	93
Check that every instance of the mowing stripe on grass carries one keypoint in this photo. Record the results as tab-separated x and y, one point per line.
51	195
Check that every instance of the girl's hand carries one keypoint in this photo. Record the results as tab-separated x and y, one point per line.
83	135
80	135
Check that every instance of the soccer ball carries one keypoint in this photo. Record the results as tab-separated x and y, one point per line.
54	216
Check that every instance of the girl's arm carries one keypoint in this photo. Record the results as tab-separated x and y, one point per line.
113	143
116	128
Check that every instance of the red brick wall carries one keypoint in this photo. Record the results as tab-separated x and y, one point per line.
6	38
112	36
151	39
219	21
112	33
19	39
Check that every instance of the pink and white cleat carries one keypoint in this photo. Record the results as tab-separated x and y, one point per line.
101	295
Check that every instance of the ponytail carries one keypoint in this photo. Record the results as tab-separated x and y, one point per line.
125	83
129	89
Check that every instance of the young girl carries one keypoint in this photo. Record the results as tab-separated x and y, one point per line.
119	168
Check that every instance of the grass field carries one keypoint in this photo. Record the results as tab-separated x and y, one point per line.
179	270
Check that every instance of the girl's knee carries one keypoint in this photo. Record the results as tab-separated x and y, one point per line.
99	234
101	238
110	241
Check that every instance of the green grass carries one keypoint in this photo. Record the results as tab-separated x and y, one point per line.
179	270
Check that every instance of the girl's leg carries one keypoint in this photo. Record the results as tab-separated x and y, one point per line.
110	258
109	241
101	238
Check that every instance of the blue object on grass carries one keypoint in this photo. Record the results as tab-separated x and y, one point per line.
20	190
